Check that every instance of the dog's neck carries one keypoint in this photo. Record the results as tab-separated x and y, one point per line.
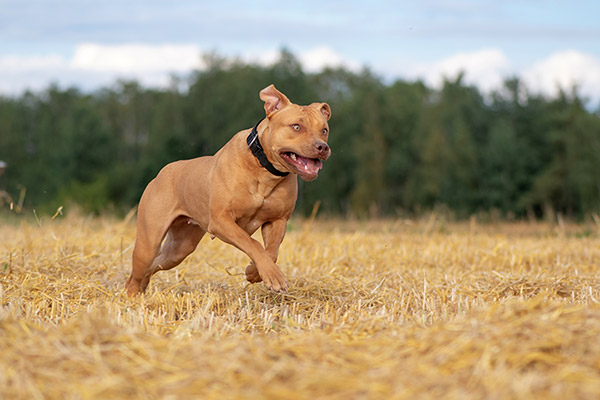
258	152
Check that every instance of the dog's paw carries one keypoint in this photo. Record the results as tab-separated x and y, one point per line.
274	280
252	274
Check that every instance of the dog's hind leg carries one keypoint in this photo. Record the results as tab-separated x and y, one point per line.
180	239
147	244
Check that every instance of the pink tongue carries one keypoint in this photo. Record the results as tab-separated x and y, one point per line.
309	165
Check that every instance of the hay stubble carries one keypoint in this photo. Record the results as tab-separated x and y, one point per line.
388	310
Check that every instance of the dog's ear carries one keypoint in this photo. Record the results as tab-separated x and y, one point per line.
324	108
274	99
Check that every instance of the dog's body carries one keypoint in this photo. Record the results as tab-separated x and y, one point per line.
231	194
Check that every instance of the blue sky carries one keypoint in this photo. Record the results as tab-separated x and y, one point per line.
92	43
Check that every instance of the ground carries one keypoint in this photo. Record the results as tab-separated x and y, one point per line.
380	309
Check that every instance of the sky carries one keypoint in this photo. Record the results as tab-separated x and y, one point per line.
90	44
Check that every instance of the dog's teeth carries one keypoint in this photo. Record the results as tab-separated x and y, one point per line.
293	156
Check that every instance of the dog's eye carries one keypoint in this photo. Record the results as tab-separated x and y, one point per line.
296	127
324	131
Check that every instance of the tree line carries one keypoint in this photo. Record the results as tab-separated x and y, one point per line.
399	148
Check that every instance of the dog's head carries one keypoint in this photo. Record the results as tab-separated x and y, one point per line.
295	138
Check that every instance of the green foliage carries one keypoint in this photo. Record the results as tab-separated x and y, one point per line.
92	197
397	148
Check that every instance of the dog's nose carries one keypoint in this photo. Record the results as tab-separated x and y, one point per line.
322	147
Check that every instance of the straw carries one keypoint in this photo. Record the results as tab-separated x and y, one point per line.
383	309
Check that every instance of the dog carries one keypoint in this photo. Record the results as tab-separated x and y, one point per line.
250	183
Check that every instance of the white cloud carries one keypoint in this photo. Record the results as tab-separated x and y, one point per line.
564	70
317	59
29	72
12	64
312	60
136	58
268	57
485	68
488	68
93	65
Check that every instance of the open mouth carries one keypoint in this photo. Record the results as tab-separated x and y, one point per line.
307	168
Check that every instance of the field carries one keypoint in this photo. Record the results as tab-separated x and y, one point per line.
376	310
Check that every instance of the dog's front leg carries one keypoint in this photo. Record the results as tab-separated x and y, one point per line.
225	228
273	233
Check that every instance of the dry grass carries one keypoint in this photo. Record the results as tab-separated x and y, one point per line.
388	309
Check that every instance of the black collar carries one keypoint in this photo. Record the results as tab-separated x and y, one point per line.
259	153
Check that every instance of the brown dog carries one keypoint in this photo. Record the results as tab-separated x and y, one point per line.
248	184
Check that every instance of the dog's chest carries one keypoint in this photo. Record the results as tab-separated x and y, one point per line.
270	204
264	206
